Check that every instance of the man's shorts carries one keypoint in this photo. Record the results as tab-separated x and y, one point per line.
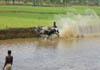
8	67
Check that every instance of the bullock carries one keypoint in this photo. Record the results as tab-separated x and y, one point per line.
47	32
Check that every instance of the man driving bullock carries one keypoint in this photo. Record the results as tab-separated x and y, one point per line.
55	27
48	31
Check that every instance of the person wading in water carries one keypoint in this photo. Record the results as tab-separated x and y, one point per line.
8	61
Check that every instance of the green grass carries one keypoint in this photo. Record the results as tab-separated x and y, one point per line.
40	10
49	10
12	20
28	16
20	23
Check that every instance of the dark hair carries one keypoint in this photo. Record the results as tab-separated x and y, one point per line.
9	52
54	22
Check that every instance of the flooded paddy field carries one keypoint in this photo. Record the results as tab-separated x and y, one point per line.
35	54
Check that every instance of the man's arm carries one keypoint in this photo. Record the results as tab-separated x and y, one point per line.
12	60
5	63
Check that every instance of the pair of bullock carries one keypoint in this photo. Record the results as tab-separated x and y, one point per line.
47	32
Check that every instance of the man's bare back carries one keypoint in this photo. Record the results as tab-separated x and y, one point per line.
9	59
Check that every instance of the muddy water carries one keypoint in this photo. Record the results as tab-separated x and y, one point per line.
34	54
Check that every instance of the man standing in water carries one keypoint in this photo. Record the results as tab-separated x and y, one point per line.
8	61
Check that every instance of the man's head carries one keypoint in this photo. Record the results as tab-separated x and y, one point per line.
54	23
9	52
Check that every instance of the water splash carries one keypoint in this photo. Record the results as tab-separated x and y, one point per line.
79	25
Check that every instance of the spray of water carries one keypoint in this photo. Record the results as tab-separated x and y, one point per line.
79	25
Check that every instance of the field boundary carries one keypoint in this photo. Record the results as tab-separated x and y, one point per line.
22	12
13	33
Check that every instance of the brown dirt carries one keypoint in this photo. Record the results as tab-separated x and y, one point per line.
17	33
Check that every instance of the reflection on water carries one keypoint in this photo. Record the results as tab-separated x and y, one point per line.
34	54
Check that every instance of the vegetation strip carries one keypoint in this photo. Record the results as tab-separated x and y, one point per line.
29	12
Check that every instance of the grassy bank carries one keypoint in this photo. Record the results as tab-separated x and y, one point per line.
28	16
13	20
